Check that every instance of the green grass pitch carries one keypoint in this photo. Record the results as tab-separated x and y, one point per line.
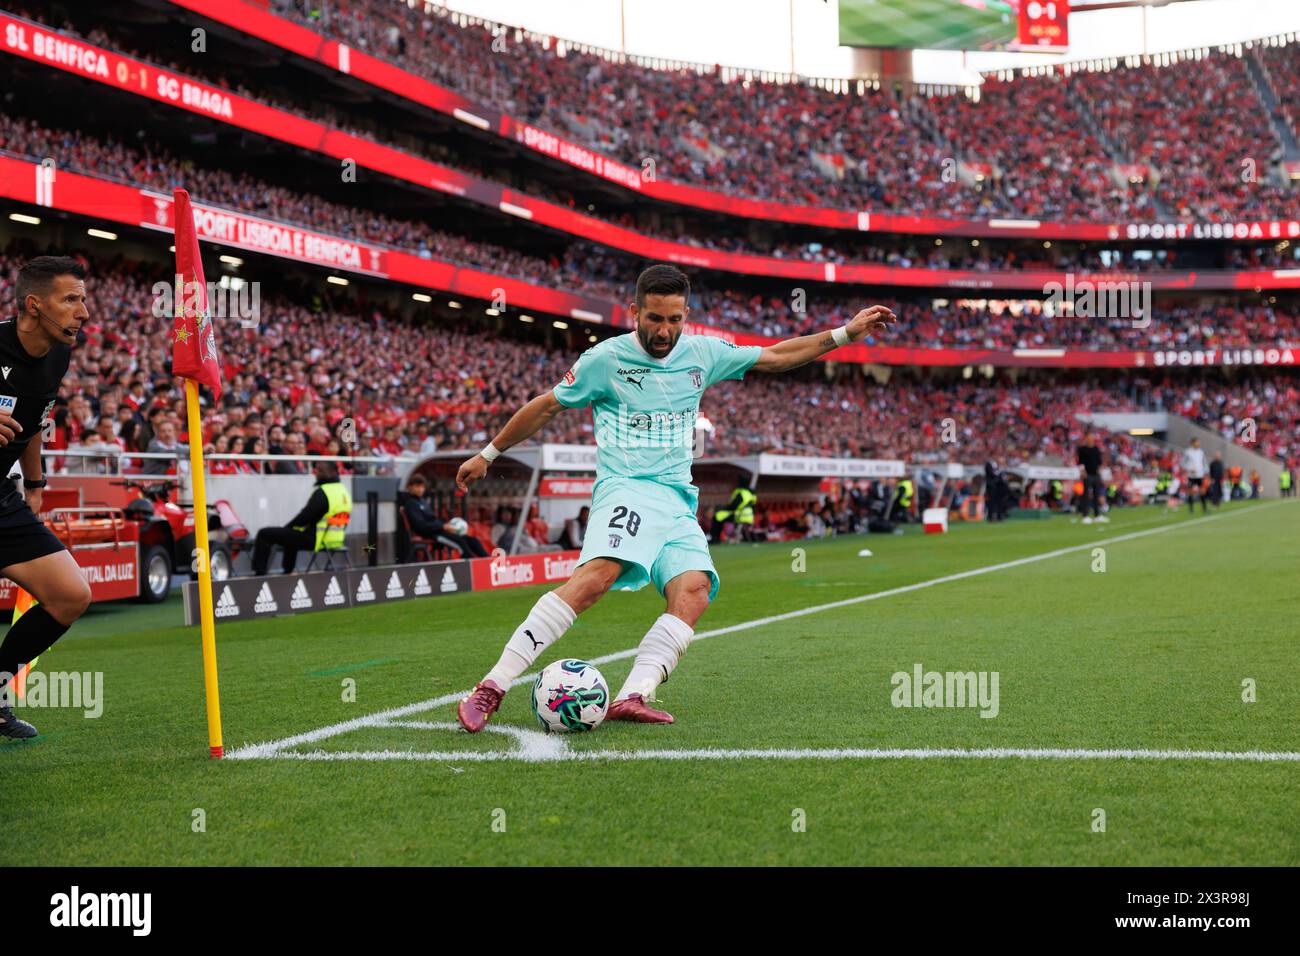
928	24
1149	654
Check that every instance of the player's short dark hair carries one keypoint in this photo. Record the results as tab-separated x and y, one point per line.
39	274
416	479
662	280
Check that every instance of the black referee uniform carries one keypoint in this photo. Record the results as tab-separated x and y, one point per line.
28	388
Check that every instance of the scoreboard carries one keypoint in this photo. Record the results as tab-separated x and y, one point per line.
1024	25
1044	25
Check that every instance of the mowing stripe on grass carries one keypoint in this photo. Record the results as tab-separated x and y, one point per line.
277	748
353	667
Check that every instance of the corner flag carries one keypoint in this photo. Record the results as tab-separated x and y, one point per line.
194	358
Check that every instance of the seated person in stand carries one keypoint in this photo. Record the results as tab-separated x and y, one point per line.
420	516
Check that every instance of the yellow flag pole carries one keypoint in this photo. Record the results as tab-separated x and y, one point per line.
207	625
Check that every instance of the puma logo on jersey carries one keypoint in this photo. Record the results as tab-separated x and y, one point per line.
627	374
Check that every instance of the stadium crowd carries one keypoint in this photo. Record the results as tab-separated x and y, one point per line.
585	268
578	267
1282	70
324	379
1060	138
1208	161
158	169
800	143
1046	162
1014	324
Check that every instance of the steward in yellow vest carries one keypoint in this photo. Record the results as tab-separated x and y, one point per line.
901	509
321	524
739	510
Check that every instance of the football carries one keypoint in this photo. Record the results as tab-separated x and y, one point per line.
570	696
457	526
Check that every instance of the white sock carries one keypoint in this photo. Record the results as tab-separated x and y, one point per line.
660	650
544	625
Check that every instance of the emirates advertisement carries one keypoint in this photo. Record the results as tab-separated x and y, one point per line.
500	571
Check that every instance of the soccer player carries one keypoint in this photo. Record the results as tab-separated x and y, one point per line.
1195	467
644	388
35	348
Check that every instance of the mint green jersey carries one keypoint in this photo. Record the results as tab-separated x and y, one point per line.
645	408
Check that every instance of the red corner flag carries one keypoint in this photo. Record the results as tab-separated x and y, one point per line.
194	339
194	358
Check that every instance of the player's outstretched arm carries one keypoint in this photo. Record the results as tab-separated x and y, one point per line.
524	424
800	351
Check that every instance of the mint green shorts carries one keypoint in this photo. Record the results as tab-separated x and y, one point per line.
651	528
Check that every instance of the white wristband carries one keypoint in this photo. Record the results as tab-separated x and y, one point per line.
490	453
841	335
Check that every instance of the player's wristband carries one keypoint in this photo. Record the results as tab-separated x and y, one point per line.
490	453
34	485
841	335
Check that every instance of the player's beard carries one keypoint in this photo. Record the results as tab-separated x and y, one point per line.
648	342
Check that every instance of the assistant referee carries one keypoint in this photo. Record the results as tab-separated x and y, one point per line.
35	348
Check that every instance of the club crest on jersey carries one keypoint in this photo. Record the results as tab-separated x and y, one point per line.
615	540
8	403
696	377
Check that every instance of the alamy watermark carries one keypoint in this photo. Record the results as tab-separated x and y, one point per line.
78	690
229	298
1120	299
131	910
922	688
631	429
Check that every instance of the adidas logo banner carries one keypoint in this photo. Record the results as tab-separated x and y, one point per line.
334	595
300	600
264	603
245	598
226	606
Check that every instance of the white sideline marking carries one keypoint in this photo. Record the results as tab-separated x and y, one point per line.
277	748
836	753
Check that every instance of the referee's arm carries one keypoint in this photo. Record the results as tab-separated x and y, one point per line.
30	462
